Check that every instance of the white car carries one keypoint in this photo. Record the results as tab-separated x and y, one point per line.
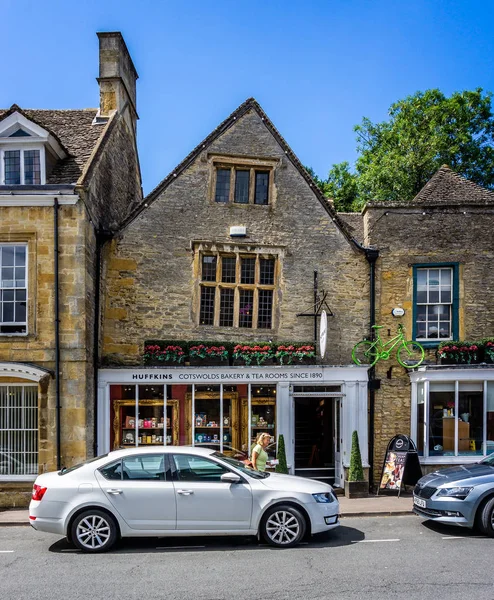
177	491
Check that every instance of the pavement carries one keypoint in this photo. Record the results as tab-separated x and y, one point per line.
372	506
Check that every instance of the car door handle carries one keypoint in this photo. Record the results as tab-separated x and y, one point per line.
113	491
185	492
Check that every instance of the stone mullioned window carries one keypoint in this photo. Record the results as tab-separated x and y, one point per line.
237	290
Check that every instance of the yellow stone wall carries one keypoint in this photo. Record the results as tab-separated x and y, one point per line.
35	225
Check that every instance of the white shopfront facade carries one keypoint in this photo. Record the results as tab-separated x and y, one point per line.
237	397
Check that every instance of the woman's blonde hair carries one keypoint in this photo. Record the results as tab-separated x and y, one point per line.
261	436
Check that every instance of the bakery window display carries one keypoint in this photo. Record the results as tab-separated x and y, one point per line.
148	427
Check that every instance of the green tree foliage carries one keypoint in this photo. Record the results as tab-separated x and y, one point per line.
398	157
281	467
355	472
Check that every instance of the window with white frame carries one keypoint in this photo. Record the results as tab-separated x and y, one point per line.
21	166
18	430
13	288
434	303
455	418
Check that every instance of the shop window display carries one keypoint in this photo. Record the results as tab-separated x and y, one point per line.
459	420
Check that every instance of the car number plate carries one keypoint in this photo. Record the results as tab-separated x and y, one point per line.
419	502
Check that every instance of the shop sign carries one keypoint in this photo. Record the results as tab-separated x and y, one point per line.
401	464
323	333
236	375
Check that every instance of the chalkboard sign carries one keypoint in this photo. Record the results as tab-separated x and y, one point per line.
401	464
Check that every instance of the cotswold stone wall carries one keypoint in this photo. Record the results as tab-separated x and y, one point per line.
149	273
34	225
423	234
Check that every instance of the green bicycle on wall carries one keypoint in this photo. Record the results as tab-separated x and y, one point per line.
409	354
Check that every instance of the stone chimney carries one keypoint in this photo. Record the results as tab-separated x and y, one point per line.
117	76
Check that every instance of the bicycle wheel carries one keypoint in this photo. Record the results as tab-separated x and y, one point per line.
410	354
365	353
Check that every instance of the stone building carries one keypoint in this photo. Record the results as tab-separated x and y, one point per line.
68	179
225	251
435	263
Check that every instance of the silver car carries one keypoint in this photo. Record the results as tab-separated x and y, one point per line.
461	496
177	491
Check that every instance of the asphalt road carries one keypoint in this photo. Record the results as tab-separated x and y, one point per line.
378	557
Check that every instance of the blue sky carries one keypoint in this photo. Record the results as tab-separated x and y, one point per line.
315	66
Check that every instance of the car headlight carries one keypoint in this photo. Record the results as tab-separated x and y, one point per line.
455	492
324	498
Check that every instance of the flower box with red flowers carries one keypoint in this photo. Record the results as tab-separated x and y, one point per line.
257	355
208	355
156	354
460	353
294	354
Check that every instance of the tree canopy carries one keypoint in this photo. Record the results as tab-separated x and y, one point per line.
397	157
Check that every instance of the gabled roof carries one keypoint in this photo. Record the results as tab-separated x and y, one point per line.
447	187
355	224
75	132
250	104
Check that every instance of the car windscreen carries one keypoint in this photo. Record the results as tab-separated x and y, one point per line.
488	460
241	467
66	470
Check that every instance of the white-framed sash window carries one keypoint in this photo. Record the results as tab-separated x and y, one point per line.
13	289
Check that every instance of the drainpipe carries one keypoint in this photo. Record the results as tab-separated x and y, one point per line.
57	336
371	255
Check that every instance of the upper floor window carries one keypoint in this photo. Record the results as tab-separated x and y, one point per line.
13	288
237	290
21	167
242	185
435	302
28	152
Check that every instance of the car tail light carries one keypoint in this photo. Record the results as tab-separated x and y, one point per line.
38	492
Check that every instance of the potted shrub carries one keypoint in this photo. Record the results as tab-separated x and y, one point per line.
208	355
290	354
155	354
355	485
281	467
258	354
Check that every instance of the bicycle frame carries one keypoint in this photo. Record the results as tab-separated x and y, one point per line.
382	348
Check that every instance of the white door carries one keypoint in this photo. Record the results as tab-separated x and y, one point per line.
204	502
338	477
136	487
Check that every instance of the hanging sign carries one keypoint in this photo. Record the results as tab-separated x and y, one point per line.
401	464
323	333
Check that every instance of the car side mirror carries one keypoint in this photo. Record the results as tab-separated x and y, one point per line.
230	478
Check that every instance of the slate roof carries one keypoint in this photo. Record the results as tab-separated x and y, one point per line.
355	224
447	187
75	132
249	104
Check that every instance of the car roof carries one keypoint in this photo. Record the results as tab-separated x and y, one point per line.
160	449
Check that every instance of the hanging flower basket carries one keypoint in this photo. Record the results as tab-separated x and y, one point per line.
157	355
208	356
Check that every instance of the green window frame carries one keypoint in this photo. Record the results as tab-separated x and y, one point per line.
434	342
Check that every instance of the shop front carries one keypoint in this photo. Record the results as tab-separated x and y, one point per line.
315	408
452	414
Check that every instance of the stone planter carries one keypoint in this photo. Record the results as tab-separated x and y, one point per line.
356	489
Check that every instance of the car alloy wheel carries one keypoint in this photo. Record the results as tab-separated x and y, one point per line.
283	526
94	531
486	519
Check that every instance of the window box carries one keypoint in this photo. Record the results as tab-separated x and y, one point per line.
460	353
257	355
158	355
208	355
295	355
